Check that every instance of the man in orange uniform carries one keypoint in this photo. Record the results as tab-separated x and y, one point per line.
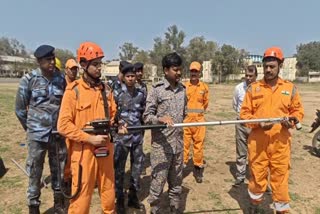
85	100
198	100
269	144
71	71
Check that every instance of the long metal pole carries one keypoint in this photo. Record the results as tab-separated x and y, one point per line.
228	122
213	123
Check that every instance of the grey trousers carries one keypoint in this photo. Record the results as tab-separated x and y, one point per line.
242	133
166	167
34	166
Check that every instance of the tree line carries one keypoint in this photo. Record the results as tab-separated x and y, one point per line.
225	58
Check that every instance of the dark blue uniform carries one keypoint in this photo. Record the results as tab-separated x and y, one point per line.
37	107
130	108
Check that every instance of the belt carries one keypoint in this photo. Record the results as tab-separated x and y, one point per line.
195	111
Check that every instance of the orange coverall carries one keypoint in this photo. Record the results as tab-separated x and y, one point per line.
270	149
75	112
198	100
67	168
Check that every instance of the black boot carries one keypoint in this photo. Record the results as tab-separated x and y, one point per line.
133	200
198	174
34	209
68	191
59	204
120	206
255	209
174	210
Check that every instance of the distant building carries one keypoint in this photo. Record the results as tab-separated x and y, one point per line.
110	70
206	72
15	66
314	76
287	72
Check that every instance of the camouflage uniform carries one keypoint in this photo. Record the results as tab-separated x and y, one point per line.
116	87
129	110
37	106
143	87
167	144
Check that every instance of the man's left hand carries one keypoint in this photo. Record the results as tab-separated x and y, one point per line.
122	129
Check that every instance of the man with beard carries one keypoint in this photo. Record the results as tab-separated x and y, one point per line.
198	100
37	106
242	132
85	100
269	144
166	104
130	107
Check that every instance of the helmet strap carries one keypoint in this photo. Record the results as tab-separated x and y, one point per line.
89	79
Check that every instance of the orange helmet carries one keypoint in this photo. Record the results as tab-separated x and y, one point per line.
275	52
89	51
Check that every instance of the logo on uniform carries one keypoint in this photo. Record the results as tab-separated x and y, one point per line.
258	89
285	93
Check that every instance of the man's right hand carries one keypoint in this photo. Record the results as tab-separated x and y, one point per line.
166	120
266	126
98	140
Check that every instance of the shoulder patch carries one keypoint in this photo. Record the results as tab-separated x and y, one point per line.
158	84
30	75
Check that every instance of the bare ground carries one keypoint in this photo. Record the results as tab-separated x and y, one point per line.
214	195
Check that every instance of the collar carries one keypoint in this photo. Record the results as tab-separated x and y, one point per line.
280	81
86	86
167	84
190	84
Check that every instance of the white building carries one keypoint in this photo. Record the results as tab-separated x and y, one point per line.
15	66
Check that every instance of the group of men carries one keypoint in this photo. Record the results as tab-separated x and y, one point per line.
49	100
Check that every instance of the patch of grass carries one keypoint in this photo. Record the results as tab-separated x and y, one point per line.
11	182
229	180
317	211
291	181
7	101
16	209
295	196
210	128
3	149
216	199
225	115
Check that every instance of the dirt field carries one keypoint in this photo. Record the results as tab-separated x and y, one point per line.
214	195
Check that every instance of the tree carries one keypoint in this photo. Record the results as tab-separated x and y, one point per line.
171	43
128	51
308	58
228	60
141	56
64	55
12	47
175	39
201	50
160	49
